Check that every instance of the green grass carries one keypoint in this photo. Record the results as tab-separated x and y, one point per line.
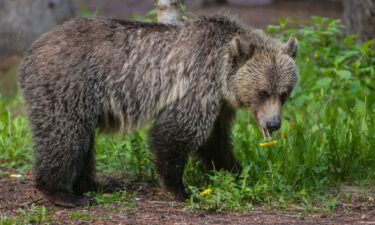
33	215
327	138
81	215
123	198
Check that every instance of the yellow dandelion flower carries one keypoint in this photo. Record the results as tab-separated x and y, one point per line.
307	59
268	143
316	54
206	191
15	175
292	125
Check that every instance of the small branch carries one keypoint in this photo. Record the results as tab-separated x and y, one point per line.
30	202
169	12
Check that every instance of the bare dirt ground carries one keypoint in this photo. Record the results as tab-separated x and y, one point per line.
154	206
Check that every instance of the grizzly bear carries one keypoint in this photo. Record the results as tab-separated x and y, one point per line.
115	74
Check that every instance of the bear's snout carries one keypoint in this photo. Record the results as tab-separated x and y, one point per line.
273	125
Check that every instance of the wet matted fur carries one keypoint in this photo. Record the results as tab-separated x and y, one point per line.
118	75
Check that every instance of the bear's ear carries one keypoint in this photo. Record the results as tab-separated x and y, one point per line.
239	47
235	46
291	47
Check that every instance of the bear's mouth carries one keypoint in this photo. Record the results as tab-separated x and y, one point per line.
262	126
266	133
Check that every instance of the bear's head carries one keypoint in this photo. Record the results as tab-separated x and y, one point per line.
265	76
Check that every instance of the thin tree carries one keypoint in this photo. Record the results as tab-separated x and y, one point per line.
359	18
170	12
23	21
214	2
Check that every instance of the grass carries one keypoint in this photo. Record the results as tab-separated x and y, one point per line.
121	197
33	215
327	138
83	216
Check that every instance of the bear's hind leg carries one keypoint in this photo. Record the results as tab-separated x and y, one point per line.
86	181
60	159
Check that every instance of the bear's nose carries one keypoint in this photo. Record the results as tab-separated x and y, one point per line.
273	125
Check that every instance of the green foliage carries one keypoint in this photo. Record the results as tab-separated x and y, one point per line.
84	11
129	153
225	189
151	16
15	139
32	215
81	215
123	198
36	215
7	220
331	64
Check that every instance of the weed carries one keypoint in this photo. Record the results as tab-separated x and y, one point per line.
81	215
121	197
36	214
85	11
7	220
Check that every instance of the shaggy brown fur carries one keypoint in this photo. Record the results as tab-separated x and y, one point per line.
119	74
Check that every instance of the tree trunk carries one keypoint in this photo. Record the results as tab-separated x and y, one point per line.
359	18
214	2
169	12
23	21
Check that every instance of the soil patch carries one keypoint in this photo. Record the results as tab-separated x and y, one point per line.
151	205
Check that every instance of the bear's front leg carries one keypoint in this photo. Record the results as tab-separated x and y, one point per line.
171	144
170	163
180	130
217	152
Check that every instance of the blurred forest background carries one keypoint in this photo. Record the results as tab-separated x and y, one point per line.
22	21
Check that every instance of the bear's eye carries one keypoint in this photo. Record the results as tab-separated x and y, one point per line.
264	95
284	97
